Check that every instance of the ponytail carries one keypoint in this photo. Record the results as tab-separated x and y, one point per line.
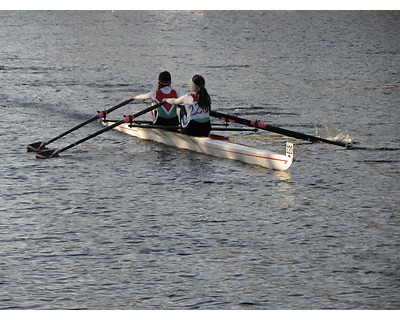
203	99
160	85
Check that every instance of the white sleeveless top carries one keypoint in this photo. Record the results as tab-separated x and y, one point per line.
193	110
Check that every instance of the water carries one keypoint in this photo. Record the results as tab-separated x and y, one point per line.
118	223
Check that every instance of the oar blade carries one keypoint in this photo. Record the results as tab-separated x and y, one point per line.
36	146
47	154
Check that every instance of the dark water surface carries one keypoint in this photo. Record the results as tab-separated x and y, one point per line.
119	223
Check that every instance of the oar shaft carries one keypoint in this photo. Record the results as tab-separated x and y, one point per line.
98	116
116	124
72	129
271	128
150	125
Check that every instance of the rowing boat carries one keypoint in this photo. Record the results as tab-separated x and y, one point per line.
214	145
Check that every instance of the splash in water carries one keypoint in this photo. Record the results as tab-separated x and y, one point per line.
328	132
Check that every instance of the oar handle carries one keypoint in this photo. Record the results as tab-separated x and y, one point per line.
104	113
271	128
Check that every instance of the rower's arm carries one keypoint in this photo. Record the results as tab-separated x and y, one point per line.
144	96
186	99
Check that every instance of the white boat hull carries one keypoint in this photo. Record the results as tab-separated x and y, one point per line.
215	146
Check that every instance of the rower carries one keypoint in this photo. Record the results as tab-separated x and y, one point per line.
195	118
166	114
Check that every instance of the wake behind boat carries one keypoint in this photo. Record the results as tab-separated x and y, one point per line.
217	146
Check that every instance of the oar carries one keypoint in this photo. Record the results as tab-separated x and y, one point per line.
260	125
37	146
45	154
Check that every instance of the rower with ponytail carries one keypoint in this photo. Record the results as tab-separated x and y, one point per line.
195	118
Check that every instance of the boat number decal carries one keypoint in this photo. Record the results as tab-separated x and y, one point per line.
289	150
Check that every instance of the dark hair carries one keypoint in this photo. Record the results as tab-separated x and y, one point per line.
164	79
203	98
